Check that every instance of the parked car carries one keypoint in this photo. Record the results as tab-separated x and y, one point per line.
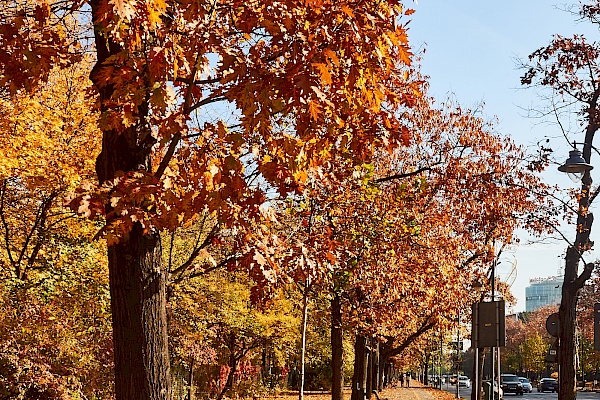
464	381
498	392
511	384
453	379
548	385
527	387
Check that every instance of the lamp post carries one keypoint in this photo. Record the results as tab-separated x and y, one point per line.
577	166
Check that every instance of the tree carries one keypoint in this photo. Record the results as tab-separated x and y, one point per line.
569	68
305	82
534	350
469	182
423	217
235	329
47	147
55	325
527	342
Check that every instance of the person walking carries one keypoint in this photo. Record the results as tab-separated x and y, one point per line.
408	379
402	379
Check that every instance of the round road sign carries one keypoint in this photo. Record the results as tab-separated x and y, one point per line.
552	324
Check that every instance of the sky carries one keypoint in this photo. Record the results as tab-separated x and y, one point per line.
472	50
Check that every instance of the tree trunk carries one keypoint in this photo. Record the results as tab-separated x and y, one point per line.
370	369
303	344
567	312
191	380
137	277
233	364
138	304
572	282
385	367
360	368
387	375
337	362
376	367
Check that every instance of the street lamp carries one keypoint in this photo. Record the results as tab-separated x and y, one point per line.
575	166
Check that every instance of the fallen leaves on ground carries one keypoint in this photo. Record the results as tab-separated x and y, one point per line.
417	393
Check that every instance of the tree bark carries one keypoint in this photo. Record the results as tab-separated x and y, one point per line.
137	277
191	380
233	364
303	344
360	368
567	317
337	361
377	382
566	348
426	369
138	304
370	385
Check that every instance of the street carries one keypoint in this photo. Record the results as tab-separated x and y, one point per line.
465	393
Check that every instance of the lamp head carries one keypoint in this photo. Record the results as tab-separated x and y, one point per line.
575	166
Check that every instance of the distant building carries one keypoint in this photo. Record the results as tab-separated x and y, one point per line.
543	292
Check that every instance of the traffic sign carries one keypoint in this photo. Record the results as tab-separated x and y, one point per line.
552	324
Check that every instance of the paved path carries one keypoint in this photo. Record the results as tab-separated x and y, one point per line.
415	392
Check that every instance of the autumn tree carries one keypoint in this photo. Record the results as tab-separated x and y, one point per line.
568	67
511	356
589	295
527	342
231	326
407	236
469	188
304	81
54	326
47	147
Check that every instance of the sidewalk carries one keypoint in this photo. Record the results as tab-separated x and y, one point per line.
416	391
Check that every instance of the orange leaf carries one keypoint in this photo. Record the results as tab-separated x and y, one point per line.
324	72
314	109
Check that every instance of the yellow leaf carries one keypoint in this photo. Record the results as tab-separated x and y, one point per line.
324	72
314	110
348	11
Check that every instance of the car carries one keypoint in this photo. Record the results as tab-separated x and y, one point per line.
453	380
548	385
511	384
464	381
527	388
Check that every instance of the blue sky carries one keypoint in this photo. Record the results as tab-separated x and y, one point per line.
471	51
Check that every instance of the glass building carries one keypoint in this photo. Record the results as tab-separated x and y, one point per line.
543	292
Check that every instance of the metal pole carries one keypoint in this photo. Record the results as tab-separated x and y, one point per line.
441	358
498	369
458	355
476	385
493	349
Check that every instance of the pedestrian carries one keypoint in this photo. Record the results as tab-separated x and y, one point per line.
408	379
402	379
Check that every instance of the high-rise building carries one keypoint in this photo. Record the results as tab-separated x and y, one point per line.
543	292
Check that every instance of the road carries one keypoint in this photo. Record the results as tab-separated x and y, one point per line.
465	393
